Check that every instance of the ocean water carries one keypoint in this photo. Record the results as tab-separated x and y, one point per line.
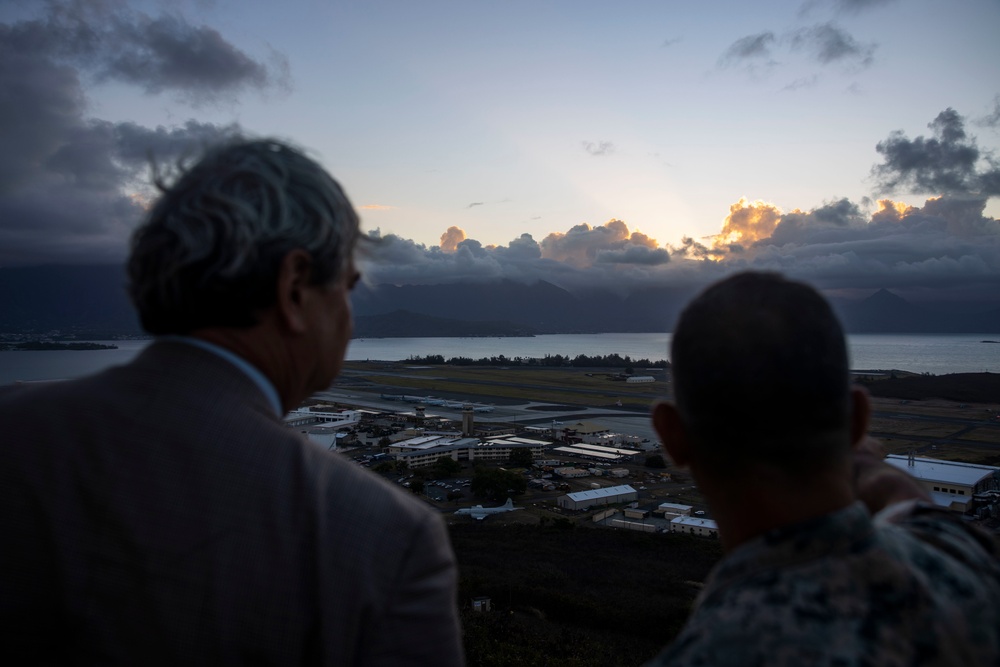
918	353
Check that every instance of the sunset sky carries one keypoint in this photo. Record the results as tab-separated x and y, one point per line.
569	140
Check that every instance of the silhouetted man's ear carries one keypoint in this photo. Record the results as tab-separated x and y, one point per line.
294	276
861	410
670	428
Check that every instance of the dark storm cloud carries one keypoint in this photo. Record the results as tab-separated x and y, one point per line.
167	53
946	244
950	162
599	148
634	254
396	260
72	186
156	54
608	255
827	44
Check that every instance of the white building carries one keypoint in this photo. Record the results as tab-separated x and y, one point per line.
950	484
610	495
426	450
322	427
570	472
694	526
673	510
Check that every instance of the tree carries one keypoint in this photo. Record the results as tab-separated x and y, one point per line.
446	466
521	457
497	483
417	486
655	461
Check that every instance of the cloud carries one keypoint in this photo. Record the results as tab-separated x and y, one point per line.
451	238
823	43
156	54
475	203
751	47
73	186
992	119
748	222
633	254
827	44
858	6
945	249
949	163
600	148
804	82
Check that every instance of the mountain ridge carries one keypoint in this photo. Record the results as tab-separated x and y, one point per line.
91	301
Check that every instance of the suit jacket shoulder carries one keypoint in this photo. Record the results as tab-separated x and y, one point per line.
161	508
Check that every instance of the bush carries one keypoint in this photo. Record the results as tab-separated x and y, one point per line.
656	461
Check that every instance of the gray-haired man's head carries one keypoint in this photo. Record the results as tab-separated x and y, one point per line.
210	249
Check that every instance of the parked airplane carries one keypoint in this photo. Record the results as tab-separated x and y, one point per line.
479	512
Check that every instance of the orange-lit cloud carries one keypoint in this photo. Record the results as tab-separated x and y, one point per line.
451	238
748	222
376	207
889	210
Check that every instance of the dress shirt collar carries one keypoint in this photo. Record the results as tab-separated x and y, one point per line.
251	371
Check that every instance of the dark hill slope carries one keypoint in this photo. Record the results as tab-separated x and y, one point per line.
962	387
575	596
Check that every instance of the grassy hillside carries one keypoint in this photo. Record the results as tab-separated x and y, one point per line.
575	596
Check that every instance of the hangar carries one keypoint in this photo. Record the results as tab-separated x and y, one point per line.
609	495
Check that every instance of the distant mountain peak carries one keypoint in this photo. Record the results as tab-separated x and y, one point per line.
884	296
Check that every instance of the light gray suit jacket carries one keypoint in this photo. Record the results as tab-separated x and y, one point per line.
160	513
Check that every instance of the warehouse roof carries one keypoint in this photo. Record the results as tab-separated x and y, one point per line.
606	450
694	521
936	470
587	452
606	492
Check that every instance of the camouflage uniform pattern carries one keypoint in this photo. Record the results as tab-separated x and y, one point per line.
911	586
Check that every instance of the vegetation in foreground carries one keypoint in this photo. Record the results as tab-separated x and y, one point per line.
962	387
564	595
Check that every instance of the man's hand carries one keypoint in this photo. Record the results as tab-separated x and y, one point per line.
878	484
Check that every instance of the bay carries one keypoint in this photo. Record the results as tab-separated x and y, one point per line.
918	353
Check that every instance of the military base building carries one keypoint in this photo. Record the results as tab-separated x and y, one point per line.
952	485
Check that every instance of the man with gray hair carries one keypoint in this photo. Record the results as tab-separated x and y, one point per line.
833	556
161	513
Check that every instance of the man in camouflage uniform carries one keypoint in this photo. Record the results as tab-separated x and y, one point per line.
833	556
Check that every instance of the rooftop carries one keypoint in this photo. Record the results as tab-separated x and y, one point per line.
950	500
607	450
592	494
587	452
936	470
694	521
